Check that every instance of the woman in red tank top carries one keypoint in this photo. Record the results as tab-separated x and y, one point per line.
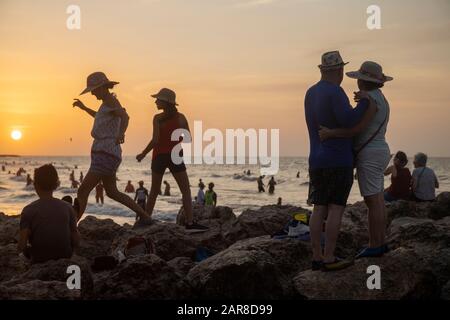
164	125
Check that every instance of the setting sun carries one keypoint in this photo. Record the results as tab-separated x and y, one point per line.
16	135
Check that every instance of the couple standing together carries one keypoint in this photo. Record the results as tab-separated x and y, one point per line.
343	138
110	124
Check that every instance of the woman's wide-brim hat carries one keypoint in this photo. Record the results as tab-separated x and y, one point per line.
370	71
97	80
166	95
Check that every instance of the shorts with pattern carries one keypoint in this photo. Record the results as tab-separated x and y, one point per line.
104	164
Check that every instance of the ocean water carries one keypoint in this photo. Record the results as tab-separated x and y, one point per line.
233	187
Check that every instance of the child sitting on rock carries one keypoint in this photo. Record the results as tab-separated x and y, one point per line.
48	226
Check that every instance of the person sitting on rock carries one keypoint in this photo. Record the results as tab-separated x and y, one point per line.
48	226
424	179
400	179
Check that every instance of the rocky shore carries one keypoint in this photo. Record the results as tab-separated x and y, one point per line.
247	263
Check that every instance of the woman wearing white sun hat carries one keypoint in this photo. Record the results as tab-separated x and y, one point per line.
372	154
110	125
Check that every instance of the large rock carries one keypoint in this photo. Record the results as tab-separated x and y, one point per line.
403	276
257	268
39	290
11	264
434	210
142	278
264	221
97	236
206	214
55	270
9	229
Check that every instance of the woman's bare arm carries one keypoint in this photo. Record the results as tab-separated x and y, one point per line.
153	142
78	103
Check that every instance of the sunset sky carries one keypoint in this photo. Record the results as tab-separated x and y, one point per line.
233	63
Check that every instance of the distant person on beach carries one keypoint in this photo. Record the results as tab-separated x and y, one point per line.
425	181
72	176
331	161
129	188
272	184
99	191
400	188
249	173
371	152
298	174
141	196
48	226
81	177
201	184
164	124
110	124
279	202
20	171
261	185
166	189
75	184
211	196
67	199
3	168
201	195
29	180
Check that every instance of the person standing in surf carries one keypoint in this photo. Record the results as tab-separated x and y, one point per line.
164	124
110	125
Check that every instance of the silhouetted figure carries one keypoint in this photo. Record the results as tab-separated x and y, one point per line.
81	177
110	124
260	184
141	195
3	168
272	184
167	189
75	184
249	173
164	124
48	226
210	195
200	198
129	188
298	174
99	191
279	202
20	171
201	184
29	180
67	199
72	176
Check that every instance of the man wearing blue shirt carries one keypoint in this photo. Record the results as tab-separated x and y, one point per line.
330	161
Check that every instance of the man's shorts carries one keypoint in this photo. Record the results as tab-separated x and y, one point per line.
330	186
164	161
